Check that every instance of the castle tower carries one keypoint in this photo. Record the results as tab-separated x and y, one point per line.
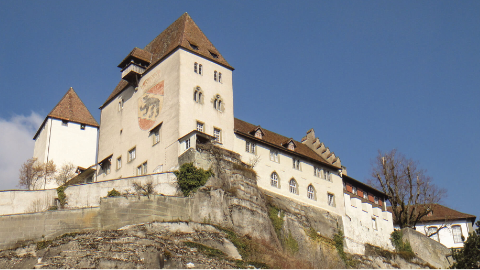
177	88
67	135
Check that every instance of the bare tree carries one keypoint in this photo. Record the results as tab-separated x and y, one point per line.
65	173
32	173
410	191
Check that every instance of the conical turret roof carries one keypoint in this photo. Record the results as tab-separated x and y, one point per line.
71	108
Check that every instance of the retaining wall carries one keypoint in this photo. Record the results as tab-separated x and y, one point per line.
81	195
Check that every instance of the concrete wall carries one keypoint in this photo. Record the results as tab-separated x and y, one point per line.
81	195
427	249
113	213
445	235
304	177
359	227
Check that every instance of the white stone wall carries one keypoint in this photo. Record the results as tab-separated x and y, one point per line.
81	195
121	132
359	228
65	144
304	177
445	234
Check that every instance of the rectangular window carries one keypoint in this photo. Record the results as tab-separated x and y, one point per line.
274	156
328	176
106	166
82	126
365	195
376	199
219	77
187	143
119	162
200	126
354	190
316	171
155	133
250	147
215	75
331	199
374	223
457	234
433	234
132	154
296	163
217	133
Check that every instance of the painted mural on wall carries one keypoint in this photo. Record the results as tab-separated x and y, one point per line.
150	105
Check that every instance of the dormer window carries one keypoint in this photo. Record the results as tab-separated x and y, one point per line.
214	55
195	47
259	134
291	146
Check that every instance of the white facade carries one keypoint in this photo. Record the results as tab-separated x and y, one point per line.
282	166
179	113
65	142
365	224
452	233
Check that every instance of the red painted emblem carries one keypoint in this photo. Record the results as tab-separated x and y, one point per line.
150	105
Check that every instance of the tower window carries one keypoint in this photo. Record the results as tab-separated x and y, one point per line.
82	126
215	75
331	199
120	105
64	123
219	77
187	144
200	69
195	67
218	104
198	95
132	154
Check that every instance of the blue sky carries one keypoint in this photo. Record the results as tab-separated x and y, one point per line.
367	76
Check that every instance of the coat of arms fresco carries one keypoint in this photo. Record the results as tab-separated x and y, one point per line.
150	105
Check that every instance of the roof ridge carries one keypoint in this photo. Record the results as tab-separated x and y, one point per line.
71	108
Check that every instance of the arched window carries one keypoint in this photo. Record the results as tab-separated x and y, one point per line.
274	179
217	103
200	69
293	186
311	193
198	95
195	67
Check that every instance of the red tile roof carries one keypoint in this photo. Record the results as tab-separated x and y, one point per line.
443	213
182	33
247	130
71	108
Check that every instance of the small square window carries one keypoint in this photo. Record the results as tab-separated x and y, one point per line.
200	126
64	123
217	133
82	126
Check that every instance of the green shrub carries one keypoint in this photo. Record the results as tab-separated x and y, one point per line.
62	197
210	252
191	178
338	239
403	249
113	193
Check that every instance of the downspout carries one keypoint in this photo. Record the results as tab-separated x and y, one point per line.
48	153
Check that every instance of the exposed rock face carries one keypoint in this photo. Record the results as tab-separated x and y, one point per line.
152	245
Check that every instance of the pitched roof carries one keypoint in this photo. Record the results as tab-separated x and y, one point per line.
246	129
443	213
71	108
182	33
363	186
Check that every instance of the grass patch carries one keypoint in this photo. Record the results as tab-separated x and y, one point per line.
43	244
276	218
210	252
291	244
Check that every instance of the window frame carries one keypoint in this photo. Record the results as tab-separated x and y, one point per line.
311	192
460	236
296	164
274	180
201	125
274	156
331	199
132	154
119	162
293	186
219	138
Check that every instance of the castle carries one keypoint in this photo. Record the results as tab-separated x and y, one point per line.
176	92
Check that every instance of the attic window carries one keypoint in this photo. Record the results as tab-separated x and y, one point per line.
214	55
258	134
291	146
195	47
